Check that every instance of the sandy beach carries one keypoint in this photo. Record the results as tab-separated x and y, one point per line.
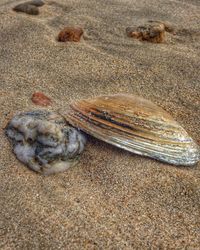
112	199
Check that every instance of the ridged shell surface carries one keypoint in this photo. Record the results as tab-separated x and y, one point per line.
135	124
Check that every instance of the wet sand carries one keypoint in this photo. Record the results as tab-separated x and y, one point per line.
112	199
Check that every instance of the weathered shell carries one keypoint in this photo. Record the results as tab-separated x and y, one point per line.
136	125
44	142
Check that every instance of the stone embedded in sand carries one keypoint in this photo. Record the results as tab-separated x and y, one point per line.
40	99
27	8
168	26
152	32
30	7
44	142
37	3
70	34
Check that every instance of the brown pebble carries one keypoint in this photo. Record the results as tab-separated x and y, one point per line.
168	26
39	98
70	34
154	32
26	8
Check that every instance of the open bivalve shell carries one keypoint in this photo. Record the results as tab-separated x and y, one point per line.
136	125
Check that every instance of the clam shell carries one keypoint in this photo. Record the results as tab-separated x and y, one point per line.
134	124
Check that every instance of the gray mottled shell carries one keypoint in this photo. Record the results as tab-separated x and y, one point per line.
136	125
44	142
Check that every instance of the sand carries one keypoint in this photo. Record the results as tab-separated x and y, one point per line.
112	199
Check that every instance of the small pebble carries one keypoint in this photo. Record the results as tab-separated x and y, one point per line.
39	98
37	3
26	8
168	26
70	34
152	32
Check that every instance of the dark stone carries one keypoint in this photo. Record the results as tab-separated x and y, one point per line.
37	3
26	8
